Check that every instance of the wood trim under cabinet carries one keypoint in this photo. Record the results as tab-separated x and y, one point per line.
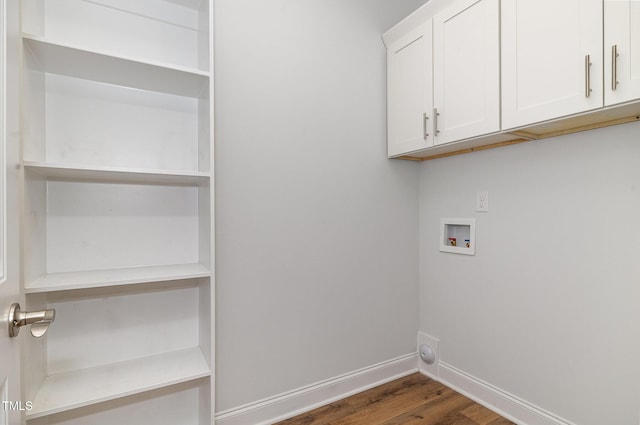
606	117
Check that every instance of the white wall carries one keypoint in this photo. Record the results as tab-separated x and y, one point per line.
316	232
549	308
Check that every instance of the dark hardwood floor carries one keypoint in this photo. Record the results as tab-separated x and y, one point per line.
413	400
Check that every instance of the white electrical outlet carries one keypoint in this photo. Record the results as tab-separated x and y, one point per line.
482	201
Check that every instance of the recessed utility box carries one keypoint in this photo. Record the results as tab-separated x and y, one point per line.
458	235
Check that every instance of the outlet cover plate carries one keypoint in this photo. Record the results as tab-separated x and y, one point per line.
482	201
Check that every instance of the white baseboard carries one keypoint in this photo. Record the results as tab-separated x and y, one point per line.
501	402
292	403
304	399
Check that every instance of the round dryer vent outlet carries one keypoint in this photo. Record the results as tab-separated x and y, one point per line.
426	354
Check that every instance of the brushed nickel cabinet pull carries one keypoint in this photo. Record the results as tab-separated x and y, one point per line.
587	72
614	67
424	125
435	121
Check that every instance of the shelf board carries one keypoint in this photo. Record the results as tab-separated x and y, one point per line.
115	277
116	174
75	61
79	388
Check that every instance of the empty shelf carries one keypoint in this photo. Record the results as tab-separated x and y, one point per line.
116	174
77	62
71	390
113	277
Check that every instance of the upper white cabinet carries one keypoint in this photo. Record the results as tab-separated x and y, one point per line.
443	75
551	59
508	71
621	51
410	94
466	63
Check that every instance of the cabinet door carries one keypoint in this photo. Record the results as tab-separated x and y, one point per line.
466	62
409	92
621	51
547	46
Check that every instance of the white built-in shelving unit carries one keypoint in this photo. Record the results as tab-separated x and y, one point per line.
117	106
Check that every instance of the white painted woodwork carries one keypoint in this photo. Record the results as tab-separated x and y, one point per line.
410	91
174	405
118	199
151	30
79	388
111	315
10	385
466	70
507	405
116	174
77	121
622	29
544	44
95	226
115	277
546	85
4	133
291	403
74	61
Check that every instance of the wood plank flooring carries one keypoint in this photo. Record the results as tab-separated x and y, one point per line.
413	400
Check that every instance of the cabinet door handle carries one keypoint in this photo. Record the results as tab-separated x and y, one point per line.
614	67
435	121
424	125
587	75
